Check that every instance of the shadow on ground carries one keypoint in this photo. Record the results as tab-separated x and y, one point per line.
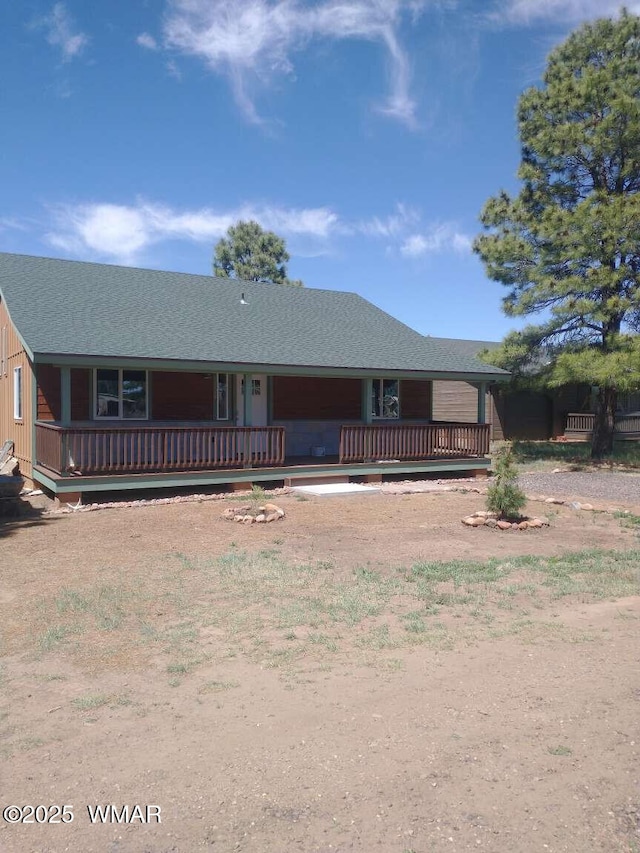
17	513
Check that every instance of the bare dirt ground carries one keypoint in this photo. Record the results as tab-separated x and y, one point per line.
366	674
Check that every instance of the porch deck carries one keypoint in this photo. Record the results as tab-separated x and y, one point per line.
76	459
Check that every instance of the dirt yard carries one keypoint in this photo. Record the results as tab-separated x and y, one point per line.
366	674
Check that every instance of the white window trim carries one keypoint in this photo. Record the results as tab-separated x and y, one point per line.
380	380
118	417
217	407
4	355
17	393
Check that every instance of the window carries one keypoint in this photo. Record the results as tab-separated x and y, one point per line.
17	393
385	398
222	397
121	394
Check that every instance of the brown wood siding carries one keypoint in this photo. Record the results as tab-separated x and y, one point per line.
455	401
316	398
458	402
20	432
48	378
81	384
182	396
415	399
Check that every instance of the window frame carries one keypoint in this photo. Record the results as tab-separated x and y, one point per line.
380	380
219	417
120	416
17	393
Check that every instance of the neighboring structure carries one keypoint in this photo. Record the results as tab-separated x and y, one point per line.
525	414
120	378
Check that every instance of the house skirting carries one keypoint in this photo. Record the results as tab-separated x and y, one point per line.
72	486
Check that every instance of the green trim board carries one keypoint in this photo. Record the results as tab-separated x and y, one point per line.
122	482
91	362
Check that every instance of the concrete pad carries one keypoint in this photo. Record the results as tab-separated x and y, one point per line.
328	489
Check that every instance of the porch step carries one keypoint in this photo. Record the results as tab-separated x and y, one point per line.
320	479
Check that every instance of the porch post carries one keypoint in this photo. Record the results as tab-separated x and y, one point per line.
482	402
65	396
367	391
247	401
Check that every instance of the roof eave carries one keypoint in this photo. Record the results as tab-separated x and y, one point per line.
91	361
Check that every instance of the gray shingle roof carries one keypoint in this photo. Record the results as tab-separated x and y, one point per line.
84	309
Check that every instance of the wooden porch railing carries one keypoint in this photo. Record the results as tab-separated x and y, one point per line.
581	423
121	450
381	442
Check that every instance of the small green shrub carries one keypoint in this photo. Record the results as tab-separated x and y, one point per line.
505	496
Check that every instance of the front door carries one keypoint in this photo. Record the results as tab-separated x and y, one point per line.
259	402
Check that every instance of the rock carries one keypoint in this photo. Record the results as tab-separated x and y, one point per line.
554	501
543	520
261	518
557	471
272	516
523	525
588	507
229	512
469	520
481	513
503	525
491	515
514	526
248	519
473	521
491	522
271	508
280	512
238	517
535	522
575	505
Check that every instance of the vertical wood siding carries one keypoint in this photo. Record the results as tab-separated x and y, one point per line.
20	432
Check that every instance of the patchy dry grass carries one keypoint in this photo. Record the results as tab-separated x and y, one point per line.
191	610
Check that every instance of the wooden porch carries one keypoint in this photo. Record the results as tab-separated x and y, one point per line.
79	458
579	427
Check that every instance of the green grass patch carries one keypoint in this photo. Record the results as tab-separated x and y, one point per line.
626	454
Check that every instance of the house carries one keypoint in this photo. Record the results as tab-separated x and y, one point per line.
116	378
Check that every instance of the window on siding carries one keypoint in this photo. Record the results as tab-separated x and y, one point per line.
121	394
385	398
17	393
222	397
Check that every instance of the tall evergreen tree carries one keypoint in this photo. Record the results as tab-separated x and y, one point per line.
252	254
568	245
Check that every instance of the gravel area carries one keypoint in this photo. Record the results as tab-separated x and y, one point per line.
611	486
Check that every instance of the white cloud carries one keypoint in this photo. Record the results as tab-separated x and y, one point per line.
389	226
253	39
124	232
440	237
523	12
61	33
148	41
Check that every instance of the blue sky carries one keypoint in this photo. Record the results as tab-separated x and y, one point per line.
368	133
